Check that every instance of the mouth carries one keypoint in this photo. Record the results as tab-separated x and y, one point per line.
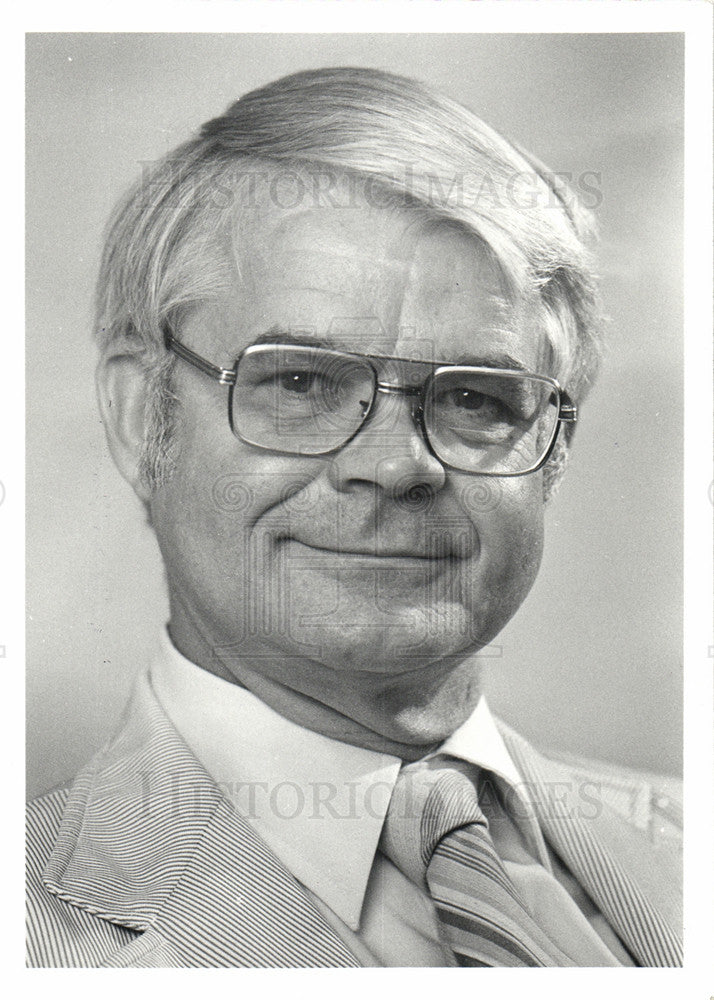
378	553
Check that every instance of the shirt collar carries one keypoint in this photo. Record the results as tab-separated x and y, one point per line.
317	803
478	741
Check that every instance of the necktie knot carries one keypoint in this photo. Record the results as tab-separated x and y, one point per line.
430	799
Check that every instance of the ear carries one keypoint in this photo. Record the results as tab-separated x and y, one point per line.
554	469
122	392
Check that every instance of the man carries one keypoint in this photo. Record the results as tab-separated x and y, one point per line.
324	325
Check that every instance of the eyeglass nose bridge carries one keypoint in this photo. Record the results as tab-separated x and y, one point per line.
395	389
416	394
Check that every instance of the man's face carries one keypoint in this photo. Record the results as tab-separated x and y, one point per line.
361	579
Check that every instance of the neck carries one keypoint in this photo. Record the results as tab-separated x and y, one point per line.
405	716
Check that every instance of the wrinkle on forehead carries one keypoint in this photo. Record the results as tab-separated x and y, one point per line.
342	251
381	277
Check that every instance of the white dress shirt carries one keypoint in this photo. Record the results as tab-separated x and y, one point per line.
320	804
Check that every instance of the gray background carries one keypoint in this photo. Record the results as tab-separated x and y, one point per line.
592	663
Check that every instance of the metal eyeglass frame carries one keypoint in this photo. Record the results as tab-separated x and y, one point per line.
567	410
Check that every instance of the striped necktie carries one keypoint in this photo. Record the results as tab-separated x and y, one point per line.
437	835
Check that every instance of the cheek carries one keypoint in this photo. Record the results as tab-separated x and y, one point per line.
509	523
198	518
207	517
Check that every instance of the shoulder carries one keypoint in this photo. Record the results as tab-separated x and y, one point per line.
59	935
648	800
645	803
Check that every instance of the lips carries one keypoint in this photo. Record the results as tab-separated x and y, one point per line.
438	549
374	552
351	526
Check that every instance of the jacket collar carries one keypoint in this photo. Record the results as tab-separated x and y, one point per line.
149	842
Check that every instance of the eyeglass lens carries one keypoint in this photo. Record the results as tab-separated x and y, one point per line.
300	400
486	422
309	401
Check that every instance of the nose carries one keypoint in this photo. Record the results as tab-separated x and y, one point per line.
389	452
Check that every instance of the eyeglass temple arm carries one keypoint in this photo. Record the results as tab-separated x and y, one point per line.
226	376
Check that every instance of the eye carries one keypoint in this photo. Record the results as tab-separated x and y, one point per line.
300	382
468	399
476	402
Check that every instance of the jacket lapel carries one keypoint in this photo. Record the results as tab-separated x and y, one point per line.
623	872
149	842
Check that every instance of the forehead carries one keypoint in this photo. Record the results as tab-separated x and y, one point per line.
370	277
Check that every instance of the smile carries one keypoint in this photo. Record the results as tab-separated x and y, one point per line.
376	555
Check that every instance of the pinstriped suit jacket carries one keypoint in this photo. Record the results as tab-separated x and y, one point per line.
144	863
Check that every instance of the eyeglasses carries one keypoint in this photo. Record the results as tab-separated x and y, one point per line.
302	400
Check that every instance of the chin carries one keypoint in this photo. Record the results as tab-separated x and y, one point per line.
391	652
415	642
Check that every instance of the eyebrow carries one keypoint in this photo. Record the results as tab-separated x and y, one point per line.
278	335
505	361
